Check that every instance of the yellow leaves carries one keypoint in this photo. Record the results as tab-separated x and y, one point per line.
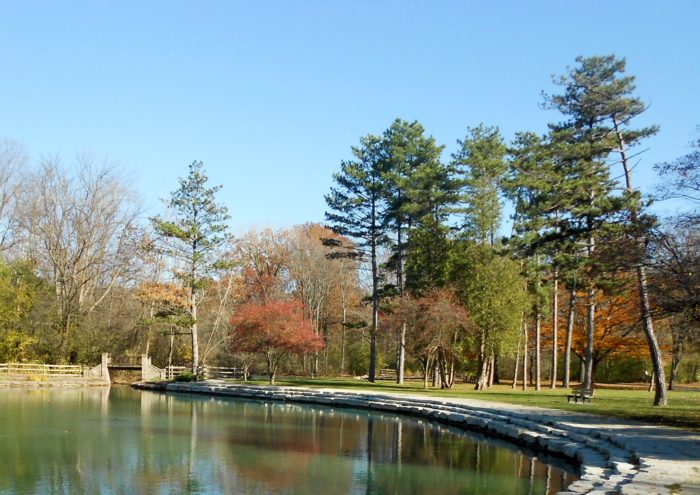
164	294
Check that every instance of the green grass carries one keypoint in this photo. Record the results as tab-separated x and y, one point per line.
683	409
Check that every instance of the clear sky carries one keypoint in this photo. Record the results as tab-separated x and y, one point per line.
270	95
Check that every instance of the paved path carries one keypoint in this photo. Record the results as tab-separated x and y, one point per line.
616	456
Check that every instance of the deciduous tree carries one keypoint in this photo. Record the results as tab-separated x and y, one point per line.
274	329
438	332
80	227
13	160
618	328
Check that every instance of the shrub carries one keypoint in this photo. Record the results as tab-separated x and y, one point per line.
186	377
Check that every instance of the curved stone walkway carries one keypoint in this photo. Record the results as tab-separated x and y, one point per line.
615	456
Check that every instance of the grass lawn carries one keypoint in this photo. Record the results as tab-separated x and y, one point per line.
683	409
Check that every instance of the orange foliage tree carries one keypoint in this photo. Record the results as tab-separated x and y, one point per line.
618	328
274	329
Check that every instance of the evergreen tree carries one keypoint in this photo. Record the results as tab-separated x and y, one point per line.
493	291
428	256
432	193
197	229
480	167
598	100
358	210
417	188
582	209
405	148
481	164
536	184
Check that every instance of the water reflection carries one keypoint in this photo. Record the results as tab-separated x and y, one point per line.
121	441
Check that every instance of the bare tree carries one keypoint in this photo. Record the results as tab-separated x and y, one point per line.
264	260
13	159
315	275
80	223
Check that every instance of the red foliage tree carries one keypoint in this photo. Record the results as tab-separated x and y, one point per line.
275	329
438	327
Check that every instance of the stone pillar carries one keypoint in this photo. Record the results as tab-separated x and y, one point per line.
145	367
104	367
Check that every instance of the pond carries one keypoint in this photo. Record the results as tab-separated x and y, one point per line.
122	441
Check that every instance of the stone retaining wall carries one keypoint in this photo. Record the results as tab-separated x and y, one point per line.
53	382
609	462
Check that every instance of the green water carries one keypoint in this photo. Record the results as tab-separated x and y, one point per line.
98	441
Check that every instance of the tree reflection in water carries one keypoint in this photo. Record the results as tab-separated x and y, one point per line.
123	441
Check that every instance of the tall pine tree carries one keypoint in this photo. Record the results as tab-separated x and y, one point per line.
196	229
598	97
358	210
408	153
481	164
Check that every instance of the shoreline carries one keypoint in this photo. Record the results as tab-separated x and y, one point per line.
613	455
52	383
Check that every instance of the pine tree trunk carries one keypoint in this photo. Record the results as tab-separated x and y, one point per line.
375	315
525	355
538	345
342	334
555	332
588	369
483	364
195	340
401	341
401	358
517	357
654	348
569	336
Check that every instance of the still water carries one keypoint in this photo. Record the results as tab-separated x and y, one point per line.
118	440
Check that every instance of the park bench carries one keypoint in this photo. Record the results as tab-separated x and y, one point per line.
582	395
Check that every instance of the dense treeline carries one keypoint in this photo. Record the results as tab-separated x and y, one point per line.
415	270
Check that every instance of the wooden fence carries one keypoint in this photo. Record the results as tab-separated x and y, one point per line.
41	369
172	371
213	372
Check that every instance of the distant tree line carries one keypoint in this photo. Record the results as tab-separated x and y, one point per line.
412	272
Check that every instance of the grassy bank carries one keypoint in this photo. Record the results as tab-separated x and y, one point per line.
683	409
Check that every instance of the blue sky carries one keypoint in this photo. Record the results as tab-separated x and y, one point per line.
270	95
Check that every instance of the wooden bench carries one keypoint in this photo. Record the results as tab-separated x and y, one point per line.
582	395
